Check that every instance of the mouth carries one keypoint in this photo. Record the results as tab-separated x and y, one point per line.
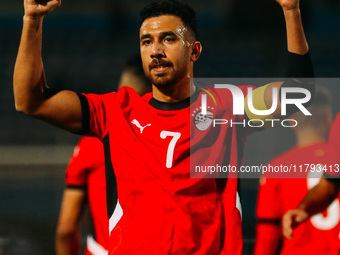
159	66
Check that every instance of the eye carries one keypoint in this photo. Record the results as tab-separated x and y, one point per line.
146	42
169	39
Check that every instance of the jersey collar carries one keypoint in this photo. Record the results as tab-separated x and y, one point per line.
173	106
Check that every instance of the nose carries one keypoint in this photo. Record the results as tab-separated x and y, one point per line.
157	50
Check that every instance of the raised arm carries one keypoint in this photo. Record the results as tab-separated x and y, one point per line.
296	40
298	65
31	94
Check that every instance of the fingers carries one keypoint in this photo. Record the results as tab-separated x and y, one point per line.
39	8
289	4
291	220
287	224
52	4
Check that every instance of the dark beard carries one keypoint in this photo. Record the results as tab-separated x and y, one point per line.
164	82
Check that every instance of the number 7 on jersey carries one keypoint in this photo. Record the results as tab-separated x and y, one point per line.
170	153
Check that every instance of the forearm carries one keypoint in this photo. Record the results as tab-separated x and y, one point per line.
31	94
299	70
67	244
316	201
298	64
28	80
296	39
68	229
319	198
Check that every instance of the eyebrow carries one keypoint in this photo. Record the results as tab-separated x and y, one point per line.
163	34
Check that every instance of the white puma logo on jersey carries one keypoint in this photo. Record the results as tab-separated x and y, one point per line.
135	122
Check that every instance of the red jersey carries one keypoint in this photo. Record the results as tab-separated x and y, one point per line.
152	147
334	144
87	170
334	134
334	152
319	234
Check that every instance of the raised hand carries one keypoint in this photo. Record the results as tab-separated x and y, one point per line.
289	4
39	8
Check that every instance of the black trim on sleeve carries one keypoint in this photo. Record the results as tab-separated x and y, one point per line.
85	108
79	187
299	65
300	73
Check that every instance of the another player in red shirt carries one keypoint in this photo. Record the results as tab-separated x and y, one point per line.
318	235
323	194
86	182
85	179
152	140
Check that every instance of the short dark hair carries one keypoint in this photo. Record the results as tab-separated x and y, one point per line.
322	104
174	7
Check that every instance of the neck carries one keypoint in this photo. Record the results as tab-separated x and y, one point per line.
177	92
308	137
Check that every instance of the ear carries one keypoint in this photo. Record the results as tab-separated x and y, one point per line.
292	123
196	51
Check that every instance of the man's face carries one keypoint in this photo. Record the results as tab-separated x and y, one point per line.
165	45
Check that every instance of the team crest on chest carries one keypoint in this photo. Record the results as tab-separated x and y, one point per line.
203	122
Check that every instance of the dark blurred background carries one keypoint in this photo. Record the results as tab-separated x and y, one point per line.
85	46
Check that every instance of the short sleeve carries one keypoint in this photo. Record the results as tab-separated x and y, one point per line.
86	157
332	172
